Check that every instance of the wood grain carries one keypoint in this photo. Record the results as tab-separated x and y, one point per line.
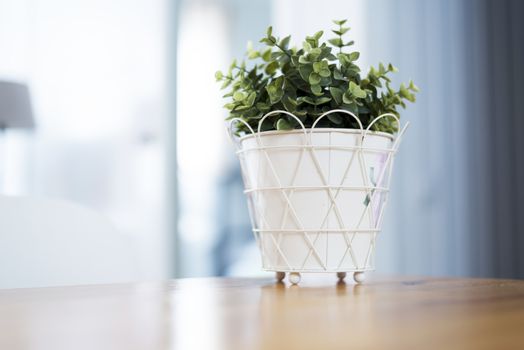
384	313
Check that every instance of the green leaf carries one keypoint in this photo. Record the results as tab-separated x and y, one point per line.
275	90
308	100
272	67
241	108
250	100
305	71
277	95
219	75
413	87
335	118
322	100
263	107
303	59
354	56
267	42
319	66
289	104
225	84
340	22
312	41
347	97
344	59
356	90
325	72
360	93
300	114
284	43
314	101
239	96
267	125
337	74
352	107
363	110
315	52
269	31
318	34
336	42
252	54
306	46
314	78
403	91
392	68
344	30
266	55
283	124
316	89
233	64
337	94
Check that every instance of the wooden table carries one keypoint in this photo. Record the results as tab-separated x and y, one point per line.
384	313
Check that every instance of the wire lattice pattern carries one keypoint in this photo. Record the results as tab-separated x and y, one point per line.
316	197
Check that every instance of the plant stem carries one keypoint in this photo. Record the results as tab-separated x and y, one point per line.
282	49
340	36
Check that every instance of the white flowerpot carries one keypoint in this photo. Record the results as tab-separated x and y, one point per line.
316	197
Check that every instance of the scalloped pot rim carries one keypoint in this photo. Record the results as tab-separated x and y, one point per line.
318	130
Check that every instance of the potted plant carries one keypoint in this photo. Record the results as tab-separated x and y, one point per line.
316	141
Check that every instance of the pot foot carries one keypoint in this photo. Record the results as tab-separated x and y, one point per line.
359	277
294	277
280	276
341	276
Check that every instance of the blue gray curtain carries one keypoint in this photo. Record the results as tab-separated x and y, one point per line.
457	202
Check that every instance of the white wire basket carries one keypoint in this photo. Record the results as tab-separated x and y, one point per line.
316	197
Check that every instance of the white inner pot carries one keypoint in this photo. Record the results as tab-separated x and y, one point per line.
316	197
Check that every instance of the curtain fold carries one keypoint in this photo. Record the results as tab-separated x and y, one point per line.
456	205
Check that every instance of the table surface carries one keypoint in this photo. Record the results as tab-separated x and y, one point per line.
216	313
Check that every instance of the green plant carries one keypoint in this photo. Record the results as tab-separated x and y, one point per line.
309	81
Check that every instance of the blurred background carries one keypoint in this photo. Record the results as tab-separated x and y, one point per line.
125	118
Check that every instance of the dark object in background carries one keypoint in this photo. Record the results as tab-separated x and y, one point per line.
15	106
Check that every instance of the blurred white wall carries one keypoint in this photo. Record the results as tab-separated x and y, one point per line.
211	34
202	47
97	71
